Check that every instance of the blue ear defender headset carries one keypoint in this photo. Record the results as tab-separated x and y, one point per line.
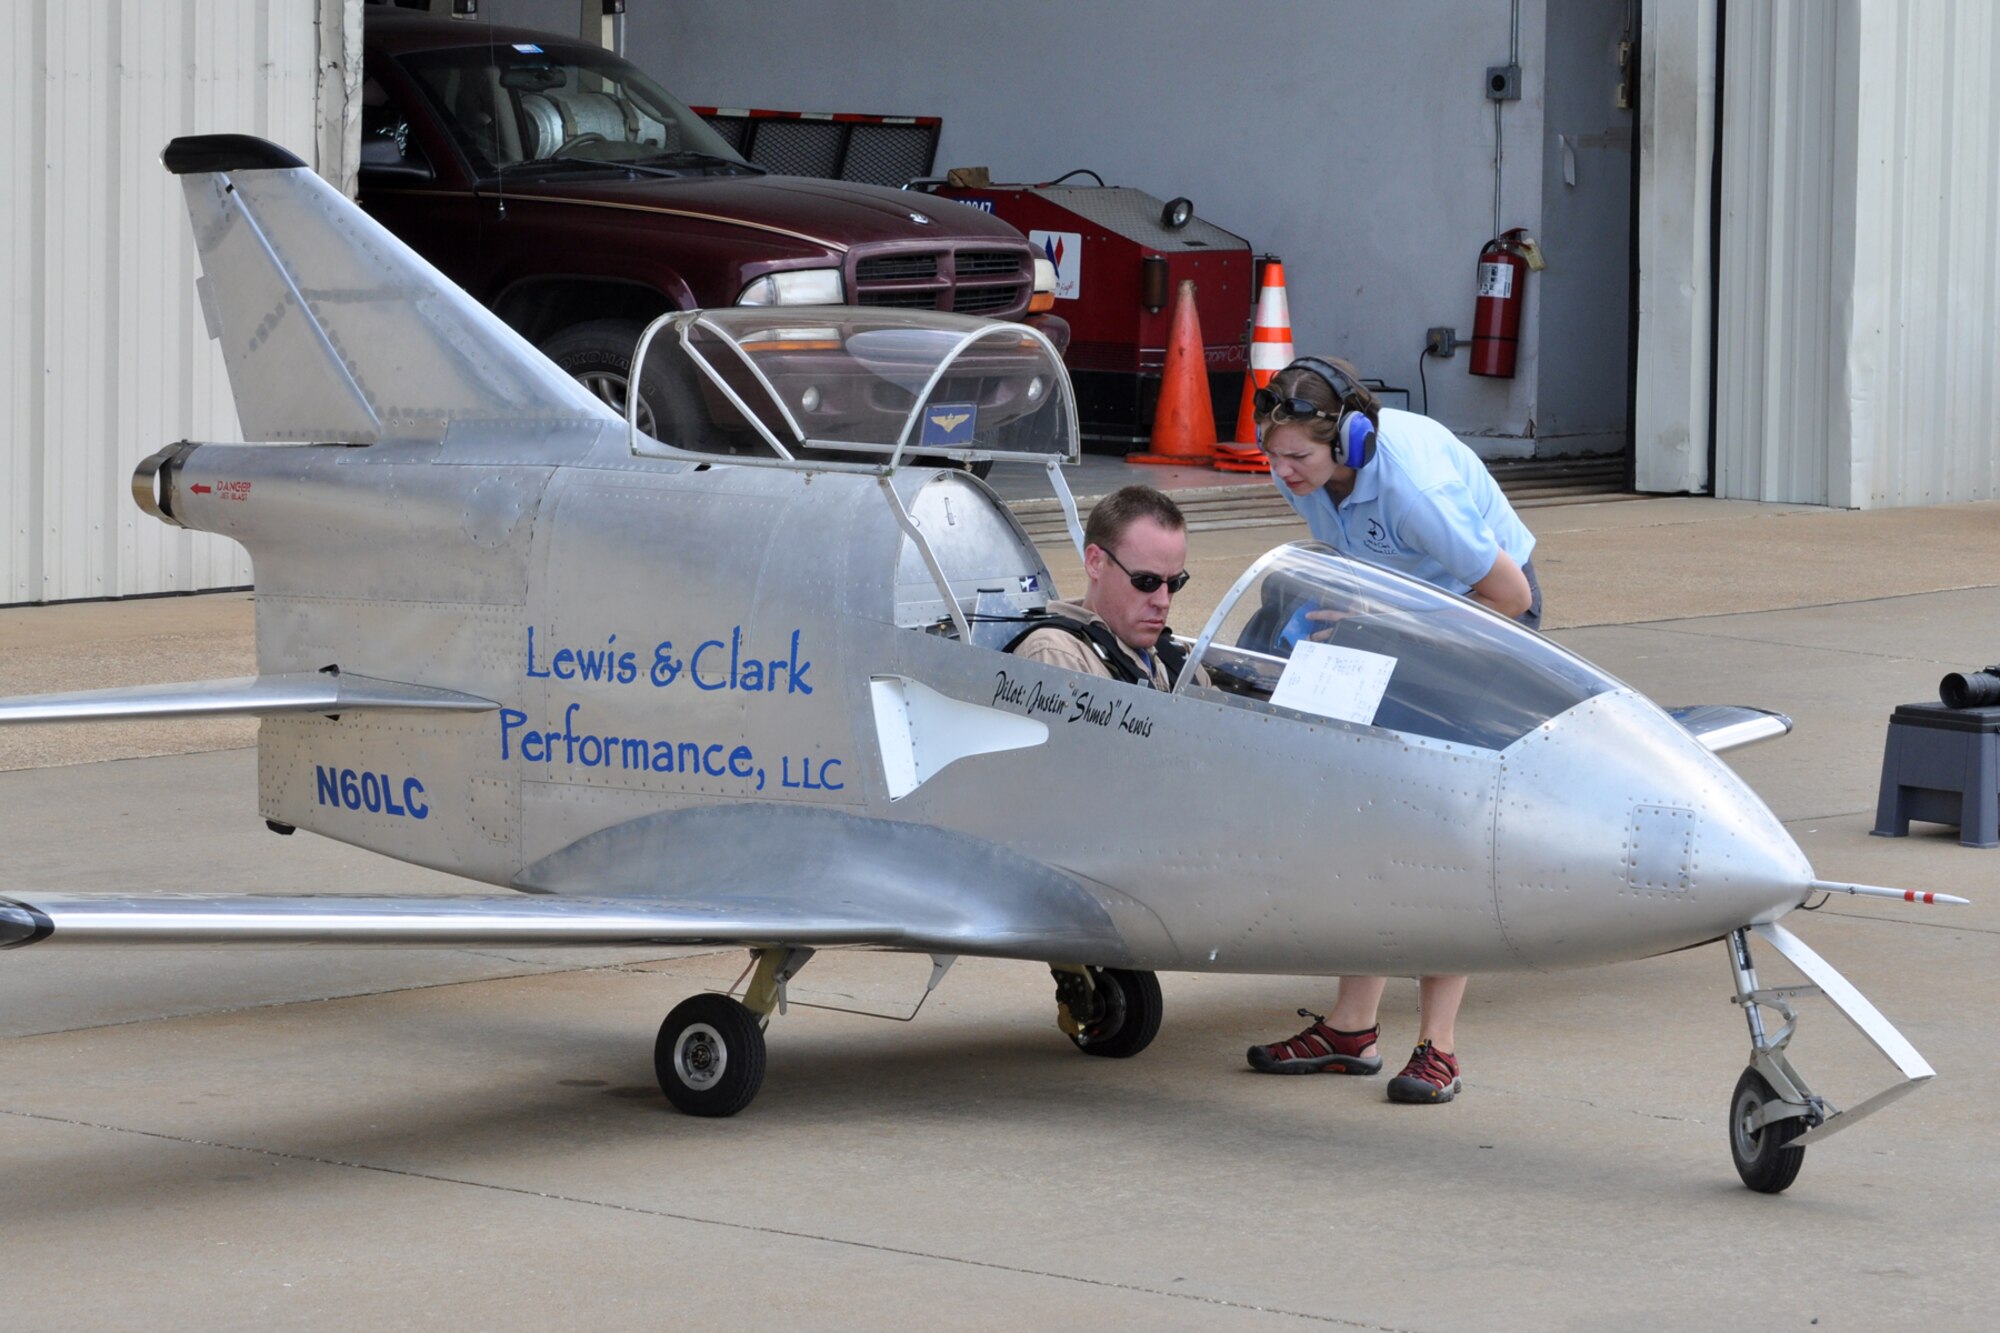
1353	434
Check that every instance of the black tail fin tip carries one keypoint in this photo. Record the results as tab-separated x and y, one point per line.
197	154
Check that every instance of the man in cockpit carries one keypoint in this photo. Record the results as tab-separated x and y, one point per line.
1134	561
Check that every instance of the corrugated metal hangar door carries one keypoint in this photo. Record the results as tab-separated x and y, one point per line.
101	340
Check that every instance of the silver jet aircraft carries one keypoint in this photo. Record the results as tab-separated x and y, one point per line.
745	685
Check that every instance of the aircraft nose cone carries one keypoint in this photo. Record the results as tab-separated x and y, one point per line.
1619	836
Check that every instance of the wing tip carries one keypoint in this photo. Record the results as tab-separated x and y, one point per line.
22	925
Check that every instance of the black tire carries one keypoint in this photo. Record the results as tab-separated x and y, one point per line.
710	1056
600	354
1132	1009
1762	1156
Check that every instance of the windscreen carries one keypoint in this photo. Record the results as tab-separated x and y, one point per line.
856	385
519	105
1313	633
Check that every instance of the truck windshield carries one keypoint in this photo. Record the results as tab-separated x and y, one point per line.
536	105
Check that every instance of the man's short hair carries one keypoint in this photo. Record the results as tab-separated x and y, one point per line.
1123	507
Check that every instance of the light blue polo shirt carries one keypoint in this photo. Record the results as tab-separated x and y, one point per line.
1424	505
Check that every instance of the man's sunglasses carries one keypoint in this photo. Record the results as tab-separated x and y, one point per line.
1270	403
1150	582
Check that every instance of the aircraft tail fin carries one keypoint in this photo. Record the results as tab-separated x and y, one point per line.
333	330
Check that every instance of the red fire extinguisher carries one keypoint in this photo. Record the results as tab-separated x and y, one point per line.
1504	262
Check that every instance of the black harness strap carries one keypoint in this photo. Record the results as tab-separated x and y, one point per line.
1114	655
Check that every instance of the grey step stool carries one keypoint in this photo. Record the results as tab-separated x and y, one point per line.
1941	765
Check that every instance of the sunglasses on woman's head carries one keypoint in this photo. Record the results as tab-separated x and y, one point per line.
1270	403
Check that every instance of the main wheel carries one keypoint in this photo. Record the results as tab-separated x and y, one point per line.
1132	1008
1763	1156
710	1056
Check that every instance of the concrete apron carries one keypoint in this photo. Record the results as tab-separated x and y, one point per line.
258	1138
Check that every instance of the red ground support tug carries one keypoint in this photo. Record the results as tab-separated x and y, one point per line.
1120	255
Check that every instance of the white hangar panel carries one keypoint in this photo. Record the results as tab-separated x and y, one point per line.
1677	106
105	353
1859	303
1923	334
1774	275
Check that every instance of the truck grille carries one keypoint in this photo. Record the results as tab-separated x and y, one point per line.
970	282
901	300
984	300
988	263
893	268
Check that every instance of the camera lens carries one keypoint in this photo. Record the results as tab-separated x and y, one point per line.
1971	689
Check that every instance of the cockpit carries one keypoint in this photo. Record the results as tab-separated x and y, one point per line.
1309	633
861	389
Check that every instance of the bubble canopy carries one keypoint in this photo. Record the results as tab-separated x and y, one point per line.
1310	633
846	385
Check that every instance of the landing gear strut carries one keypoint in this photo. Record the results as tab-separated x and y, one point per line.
1772	1113
1771	1105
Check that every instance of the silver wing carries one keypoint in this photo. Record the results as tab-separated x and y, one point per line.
320	692
517	922
715	875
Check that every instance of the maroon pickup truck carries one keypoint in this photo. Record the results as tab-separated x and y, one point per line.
563	188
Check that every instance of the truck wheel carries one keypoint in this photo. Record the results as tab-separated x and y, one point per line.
600	355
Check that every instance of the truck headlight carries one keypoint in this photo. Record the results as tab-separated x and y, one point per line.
799	286
1044	297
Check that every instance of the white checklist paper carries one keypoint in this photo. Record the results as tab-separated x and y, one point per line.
1343	683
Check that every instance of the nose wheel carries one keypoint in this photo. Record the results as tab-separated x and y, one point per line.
1762	1149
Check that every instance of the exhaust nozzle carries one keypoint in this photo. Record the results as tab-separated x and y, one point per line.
153	481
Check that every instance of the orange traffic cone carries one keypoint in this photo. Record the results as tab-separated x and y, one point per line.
1270	352
1246	408
1184	421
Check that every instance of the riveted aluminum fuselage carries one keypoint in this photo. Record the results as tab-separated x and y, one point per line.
665	637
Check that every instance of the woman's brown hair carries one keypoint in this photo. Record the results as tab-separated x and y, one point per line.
1297	381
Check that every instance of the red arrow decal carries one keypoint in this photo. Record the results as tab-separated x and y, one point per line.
199	489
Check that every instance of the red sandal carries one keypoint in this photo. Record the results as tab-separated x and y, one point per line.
1319	1049
1431	1076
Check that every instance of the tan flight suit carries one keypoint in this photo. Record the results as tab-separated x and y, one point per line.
1059	647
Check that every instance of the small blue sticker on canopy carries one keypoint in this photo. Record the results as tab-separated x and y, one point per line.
949	425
